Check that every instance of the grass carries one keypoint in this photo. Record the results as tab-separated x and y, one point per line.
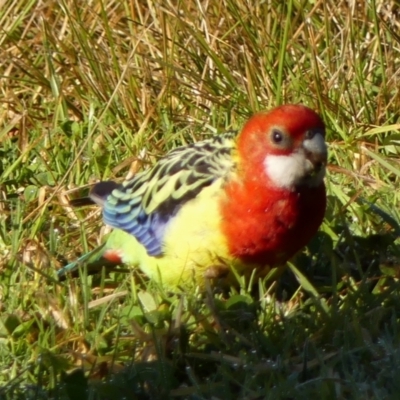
98	90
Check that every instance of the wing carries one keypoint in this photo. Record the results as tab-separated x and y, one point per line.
144	205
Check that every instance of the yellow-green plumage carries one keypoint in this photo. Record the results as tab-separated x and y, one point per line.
187	244
184	259
192	244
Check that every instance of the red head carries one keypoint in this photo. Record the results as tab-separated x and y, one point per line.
286	145
278	198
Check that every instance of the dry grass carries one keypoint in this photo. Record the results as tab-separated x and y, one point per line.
88	88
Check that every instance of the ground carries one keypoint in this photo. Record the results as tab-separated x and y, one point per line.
99	90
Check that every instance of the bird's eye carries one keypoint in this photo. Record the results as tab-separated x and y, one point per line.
277	136
310	134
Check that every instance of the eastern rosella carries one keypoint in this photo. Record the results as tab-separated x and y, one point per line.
244	201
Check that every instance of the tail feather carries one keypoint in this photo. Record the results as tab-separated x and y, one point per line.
100	256
93	259
97	195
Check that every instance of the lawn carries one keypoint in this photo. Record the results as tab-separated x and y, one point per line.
99	90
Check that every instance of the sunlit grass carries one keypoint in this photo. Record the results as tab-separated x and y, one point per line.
97	90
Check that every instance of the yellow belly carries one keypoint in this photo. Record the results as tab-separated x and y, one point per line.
193	245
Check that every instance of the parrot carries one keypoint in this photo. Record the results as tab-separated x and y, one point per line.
231	204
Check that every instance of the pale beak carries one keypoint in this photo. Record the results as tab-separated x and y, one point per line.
316	150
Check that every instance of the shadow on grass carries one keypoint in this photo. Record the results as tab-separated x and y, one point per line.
340	339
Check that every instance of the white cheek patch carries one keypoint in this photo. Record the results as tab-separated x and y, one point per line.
293	170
